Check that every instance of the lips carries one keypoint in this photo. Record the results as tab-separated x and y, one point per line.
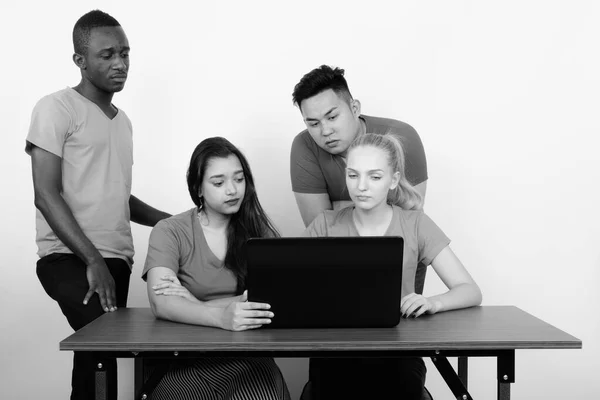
331	143
362	198
232	202
119	77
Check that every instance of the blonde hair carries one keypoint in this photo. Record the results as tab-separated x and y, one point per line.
404	195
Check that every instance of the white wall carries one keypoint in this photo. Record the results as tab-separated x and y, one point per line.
503	94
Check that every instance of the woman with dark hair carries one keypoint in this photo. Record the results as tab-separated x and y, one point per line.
195	274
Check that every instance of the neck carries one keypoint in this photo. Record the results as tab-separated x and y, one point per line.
360	130
217	221
376	217
102	98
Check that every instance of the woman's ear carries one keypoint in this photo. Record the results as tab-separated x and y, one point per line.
395	180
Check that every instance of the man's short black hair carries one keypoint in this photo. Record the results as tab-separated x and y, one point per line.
319	80
85	24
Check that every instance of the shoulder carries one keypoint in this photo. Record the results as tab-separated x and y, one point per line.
303	143
57	101
385	125
332	220
409	217
176	224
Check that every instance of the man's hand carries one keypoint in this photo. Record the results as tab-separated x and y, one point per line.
101	282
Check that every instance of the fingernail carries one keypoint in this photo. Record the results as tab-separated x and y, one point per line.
271	315
106	309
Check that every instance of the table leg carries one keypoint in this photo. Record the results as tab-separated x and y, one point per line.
452	380
463	370
503	391
506	373
138	376
101	383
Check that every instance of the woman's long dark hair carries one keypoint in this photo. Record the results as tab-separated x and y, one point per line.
250	221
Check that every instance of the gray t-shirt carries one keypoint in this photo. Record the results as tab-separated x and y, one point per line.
178	243
97	159
314	170
423	239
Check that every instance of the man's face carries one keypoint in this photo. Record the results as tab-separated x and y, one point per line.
331	121
107	58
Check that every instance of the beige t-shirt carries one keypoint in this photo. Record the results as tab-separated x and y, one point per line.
97	160
178	243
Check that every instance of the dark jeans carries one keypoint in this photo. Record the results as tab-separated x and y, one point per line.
367	378
63	277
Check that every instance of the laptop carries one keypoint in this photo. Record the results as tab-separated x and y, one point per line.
327	282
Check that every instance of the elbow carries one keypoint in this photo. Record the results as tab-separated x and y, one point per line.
478	296
40	200
158	308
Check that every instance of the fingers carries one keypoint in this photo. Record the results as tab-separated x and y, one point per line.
111	298
170	278
88	295
414	306
165	285
180	291
250	305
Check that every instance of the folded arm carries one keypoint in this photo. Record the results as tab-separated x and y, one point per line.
173	302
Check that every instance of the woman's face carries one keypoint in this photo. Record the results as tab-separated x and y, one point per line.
369	177
223	185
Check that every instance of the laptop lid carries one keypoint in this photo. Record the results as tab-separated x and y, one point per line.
327	282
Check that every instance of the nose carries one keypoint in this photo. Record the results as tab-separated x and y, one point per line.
231	188
327	129
120	64
362	183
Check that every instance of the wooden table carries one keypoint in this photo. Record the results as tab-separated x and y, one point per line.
488	331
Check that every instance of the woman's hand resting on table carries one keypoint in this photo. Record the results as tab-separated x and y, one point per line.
171	286
242	314
415	305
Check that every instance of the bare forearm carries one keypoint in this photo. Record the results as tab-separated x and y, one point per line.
179	309
60	218
143	214
461	296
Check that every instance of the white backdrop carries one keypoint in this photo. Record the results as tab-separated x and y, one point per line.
503	94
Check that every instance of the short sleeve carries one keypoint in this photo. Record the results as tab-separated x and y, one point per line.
163	249
51	124
431	239
305	171
317	228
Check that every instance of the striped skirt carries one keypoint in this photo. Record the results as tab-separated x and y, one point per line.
222	379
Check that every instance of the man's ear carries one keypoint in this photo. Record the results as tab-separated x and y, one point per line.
79	60
355	107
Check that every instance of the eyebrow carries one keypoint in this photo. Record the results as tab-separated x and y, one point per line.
369	171
240	171
326	114
113	48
